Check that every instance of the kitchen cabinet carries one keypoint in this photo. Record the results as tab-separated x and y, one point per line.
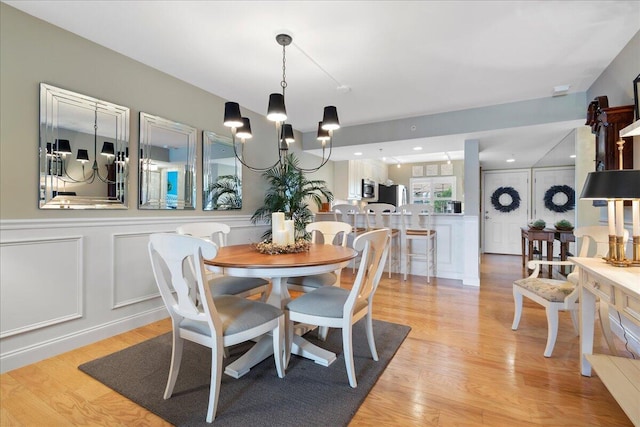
606	123
347	178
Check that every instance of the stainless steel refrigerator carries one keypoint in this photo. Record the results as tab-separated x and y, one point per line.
395	195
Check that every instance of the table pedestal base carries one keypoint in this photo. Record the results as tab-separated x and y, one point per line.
264	348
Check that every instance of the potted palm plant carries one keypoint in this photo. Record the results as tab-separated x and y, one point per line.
290	192
224	194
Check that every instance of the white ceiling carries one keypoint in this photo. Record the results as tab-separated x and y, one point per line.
398	58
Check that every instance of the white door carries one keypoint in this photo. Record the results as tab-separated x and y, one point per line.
506	209
557	186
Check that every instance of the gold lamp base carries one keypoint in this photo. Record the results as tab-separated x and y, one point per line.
617	255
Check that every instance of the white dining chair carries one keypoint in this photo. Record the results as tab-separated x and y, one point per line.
212	321
217	233
377	221
417	227
332	232
335	307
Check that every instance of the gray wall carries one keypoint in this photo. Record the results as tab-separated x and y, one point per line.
616	82
33	51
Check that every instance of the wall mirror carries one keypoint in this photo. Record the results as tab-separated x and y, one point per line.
221	174
84	151
167	164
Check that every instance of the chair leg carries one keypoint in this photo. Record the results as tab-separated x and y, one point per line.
407	257
517	301
323	331
279	353
217	351
347	347
176	358
552	320
370	338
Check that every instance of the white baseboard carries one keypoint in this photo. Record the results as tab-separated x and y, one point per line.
43	350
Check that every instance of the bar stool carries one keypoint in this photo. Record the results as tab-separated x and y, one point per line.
349	214
412	229
377	222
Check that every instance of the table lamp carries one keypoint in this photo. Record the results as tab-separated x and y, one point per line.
616	186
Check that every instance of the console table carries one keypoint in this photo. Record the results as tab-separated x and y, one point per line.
620	288
532	235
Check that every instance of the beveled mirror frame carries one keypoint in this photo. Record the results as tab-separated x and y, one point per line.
221	174
81	178
167	164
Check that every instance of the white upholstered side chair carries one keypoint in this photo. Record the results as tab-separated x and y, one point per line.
595	243
335	307
217	233
333	232
417	226
377	221
214	321
553	294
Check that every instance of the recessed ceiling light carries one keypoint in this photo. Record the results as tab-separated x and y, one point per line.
511	160
417	148
358	153
573	156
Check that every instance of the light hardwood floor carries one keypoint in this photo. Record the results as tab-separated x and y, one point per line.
461	365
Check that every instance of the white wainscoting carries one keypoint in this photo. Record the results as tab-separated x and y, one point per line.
68	283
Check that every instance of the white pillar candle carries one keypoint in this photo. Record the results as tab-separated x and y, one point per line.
635	209
277	222
280	237
619	217
612	217
291	231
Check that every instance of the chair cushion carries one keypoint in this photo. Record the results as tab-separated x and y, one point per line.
327	301
549	289
228	285
237	315
314	281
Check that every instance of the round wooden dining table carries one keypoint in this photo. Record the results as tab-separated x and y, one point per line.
246	261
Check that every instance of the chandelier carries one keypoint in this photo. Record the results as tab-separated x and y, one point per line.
277	113
62	147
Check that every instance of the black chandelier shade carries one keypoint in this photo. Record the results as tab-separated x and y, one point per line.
330	118
62	146
623	184
232	116
108	149
277	111
83	155
244	131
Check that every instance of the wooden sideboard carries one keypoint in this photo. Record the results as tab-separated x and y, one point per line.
620	288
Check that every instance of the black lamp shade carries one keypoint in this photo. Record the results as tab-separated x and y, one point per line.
108	149
276	112
323	135
287	133
244	130
62	146
232	116
82	156
612	184
330	118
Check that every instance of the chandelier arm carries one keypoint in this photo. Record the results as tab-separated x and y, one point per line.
241	158
324	160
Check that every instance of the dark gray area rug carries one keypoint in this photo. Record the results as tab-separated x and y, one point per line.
309	395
